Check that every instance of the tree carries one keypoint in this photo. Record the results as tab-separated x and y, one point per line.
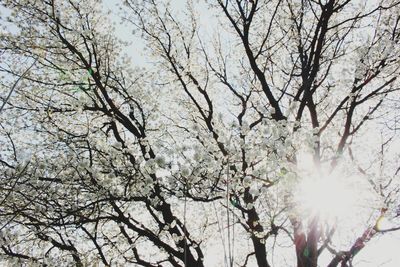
246	128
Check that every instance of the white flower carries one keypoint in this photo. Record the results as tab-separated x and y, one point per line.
150	165
197	157
160	161
185	171
254	191
272	111
247	181
173	224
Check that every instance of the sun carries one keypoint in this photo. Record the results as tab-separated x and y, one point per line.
329	197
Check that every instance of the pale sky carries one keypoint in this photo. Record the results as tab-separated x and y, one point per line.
383	250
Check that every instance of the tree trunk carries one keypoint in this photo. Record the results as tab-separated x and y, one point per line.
307	246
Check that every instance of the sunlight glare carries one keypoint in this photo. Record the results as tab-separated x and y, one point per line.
330	196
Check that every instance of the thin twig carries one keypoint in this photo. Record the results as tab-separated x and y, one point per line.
15	85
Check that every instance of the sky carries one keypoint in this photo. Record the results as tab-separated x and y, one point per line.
382	250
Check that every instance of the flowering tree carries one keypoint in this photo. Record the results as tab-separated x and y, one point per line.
257	125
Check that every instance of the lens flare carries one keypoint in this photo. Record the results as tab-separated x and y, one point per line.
327	197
